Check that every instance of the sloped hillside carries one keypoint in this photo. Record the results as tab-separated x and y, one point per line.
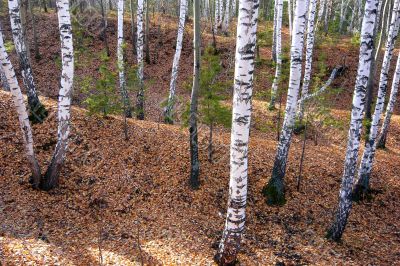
123	202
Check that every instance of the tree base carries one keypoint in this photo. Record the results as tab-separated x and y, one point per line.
333	236
38	115
361	193
220	260
274	194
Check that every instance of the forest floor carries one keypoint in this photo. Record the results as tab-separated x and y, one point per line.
127	202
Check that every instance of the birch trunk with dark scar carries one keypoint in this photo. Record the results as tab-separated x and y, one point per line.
274	190
309	56
139	50
194	147
18	99
3	79
364	171
37	112
353	144
278	50
168	111
381	143
216	14
50	179
120	61
241	118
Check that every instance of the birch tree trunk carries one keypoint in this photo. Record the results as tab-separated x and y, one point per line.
364	171
278	50
133	28
35	37
50	180
290	17
18	99
37	111
139	50
321	9
274	31
309	55
168	111
353	144
194	147
225	24
241	116
120	61
274	190
216	11
4	81
389	108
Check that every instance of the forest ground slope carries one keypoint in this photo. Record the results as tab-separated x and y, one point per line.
129	200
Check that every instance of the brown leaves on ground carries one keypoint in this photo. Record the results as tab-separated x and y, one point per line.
115	194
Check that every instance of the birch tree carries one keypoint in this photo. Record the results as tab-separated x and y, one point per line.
194	147
51	177
3	80
168	111
274	190
278	50
309	55
381	143
18	99
241	116
120	60
139	51
365	168
354	135
36	109
225	23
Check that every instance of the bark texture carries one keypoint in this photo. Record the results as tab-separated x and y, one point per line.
18	99
364	171
357	115
274	190
50	179
241	116
37	112
168	111
139	51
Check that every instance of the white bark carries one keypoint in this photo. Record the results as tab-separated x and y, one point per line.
241	115
175	64
64	96
120	60
321	9
357	115
370	146
26	69
3	80
278	50
290	17
309	54
296	57
390	106
225	24
139	49
19	104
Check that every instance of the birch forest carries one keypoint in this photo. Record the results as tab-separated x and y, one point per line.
199	132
